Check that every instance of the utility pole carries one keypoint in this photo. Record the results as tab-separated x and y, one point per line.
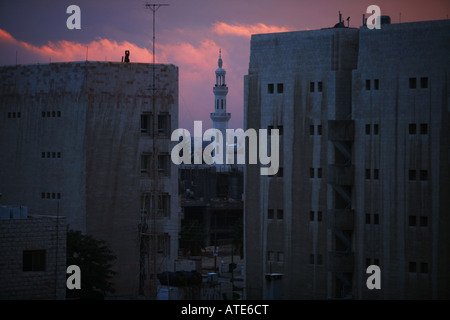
148	241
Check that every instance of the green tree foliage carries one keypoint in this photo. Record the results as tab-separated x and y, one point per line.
192	238
93	257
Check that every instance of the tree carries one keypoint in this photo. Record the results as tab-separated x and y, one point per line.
93	257
192	238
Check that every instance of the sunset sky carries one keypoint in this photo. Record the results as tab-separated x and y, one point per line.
189	35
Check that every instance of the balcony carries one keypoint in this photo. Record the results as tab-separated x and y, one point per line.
341	219
341	130
339	261
342	175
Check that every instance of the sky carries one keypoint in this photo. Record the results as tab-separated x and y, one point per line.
189	34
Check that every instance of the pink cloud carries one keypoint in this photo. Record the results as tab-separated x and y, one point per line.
242	30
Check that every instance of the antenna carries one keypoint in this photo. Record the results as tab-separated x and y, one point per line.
144	236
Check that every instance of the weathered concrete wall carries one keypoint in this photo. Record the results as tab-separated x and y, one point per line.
33	233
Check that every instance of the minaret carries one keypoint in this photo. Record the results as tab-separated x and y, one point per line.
220	117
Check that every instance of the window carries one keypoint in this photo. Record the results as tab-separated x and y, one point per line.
376	262
375	129
164	244
423	175
280	130
280	88
423	128
423	267
43	154
311	130
412	175
412	128
319	86
376	84
368	262
319	129
43	195
376	218
319	259
43	114
270	214
311	172
367	128
146	123
311	216
280	214
271	255
412	221
367	218
280	173
33	260
221	103
424	82
376	174
145	163
58	114
367	174
164	164
280	256
311	259
319	173
423	221
311	87
270	88
367	84
59	154
412	83
412	266
164	205
319	216
164	124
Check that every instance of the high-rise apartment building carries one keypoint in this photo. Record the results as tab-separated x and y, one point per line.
364	157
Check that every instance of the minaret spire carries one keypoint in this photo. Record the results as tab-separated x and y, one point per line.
220	117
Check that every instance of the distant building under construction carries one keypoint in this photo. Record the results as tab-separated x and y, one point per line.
364	154
92	141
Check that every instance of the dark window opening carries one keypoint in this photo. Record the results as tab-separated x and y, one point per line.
319	173
412	128
367	84
423	175
270	214
375	129
311	216
412	267
164	124
279	214
412	221
376	218
424	82
423	128
367	174
376	84
319	216
367	218
164	164
280	88
270	88
33	260
412	83
423	221
311	130
319	129
376	174
280	130
145	123
311	87
412	175
319	86
311	172
311	259
423	267
319	259
367	128
145	159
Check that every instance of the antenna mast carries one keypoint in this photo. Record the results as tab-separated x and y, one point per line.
148	241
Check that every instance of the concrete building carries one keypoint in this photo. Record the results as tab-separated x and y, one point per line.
364	116
32	255
93	138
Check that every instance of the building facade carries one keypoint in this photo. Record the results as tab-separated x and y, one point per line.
364	120
32	255
92	140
